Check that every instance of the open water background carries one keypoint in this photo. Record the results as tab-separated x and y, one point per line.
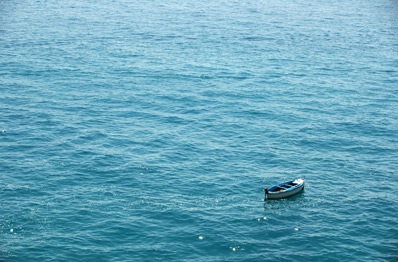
146	130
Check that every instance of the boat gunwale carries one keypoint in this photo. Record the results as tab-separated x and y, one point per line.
287	191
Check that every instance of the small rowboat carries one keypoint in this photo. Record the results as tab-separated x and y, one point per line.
285	189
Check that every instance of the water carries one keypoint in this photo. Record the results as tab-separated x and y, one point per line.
146	130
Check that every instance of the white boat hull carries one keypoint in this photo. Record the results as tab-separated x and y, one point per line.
292	190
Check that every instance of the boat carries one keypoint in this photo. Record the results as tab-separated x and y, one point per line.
285	189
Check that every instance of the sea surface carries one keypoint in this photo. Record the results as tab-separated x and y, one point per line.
147	130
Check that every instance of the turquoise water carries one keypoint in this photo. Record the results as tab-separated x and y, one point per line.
146	130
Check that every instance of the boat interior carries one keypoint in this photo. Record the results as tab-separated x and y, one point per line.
282	187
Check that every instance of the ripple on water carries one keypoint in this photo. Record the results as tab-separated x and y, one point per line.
149	132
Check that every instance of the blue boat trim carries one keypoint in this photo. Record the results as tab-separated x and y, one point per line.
284	189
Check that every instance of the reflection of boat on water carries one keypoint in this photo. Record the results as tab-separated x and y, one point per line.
284	189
